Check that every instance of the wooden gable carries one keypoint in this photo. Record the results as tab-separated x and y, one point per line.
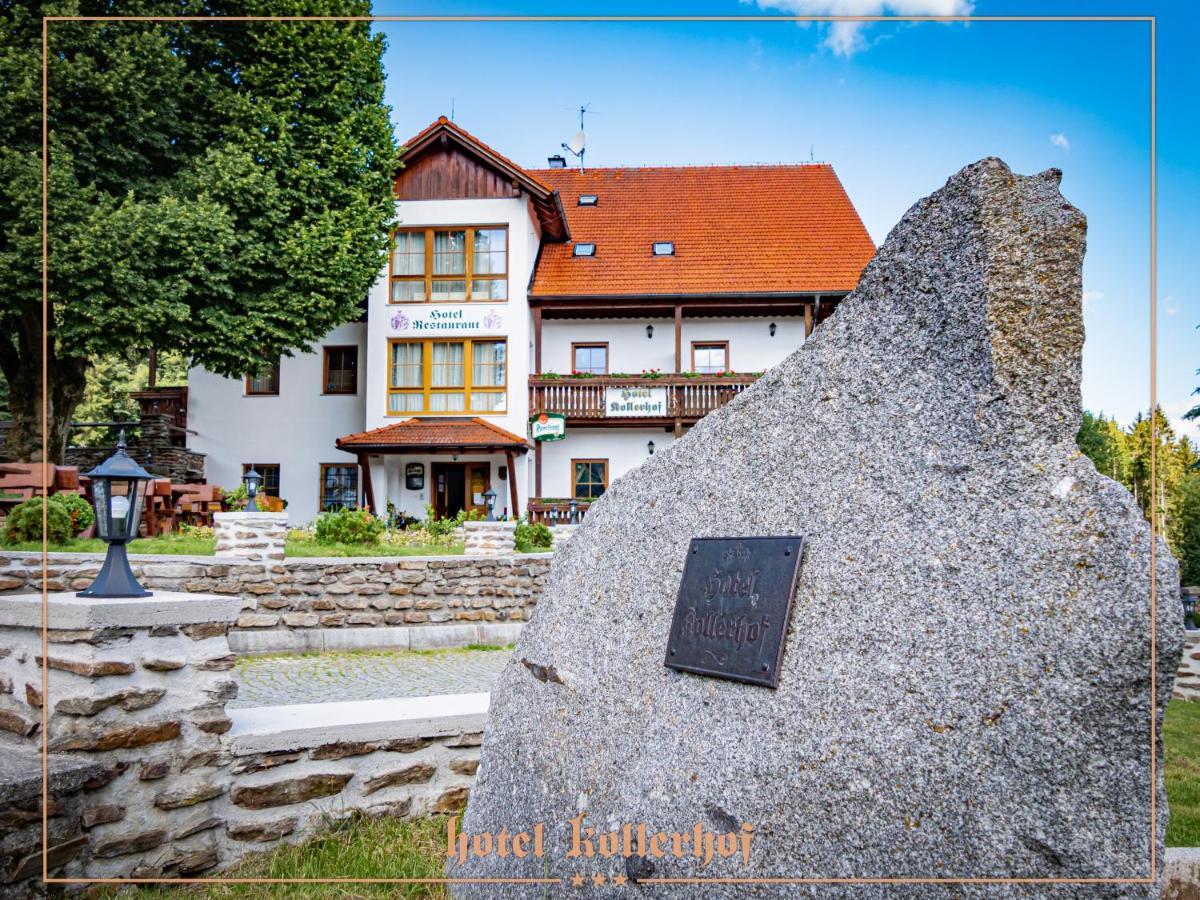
448	173
444	162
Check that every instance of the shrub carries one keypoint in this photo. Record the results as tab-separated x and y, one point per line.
235	500
81	512
442	527
532	537
348	526
25	523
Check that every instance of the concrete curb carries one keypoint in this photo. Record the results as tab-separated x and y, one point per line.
267	729
400	637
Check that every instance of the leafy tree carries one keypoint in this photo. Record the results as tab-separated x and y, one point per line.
220	190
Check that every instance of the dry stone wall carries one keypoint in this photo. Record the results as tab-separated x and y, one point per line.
149	775
305	594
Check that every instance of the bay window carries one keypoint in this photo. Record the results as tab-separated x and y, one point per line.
449	265
447	376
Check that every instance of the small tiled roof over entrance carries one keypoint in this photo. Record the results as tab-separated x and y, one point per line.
736	231
411	435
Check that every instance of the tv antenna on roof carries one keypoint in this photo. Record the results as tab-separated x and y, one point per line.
578	144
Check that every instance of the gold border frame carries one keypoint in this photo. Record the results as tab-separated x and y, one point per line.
1153	22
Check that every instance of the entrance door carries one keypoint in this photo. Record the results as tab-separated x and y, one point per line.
449	488
460	486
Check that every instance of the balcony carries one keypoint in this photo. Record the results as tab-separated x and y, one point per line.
634	400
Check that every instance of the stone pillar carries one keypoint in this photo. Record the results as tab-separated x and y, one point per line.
488	538
562	534
257	536
137	691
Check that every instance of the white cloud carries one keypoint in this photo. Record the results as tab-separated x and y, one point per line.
847	38
1170	305
1092	297
1060	140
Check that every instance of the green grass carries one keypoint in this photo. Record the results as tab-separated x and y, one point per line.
1181	752
354	848
172	544
312	548
184	545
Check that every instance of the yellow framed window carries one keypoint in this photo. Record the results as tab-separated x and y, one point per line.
447	376
449	265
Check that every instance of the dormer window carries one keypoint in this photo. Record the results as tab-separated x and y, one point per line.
588	199
664	248
585	249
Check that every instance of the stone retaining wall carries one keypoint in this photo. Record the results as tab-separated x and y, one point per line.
174	785
302	594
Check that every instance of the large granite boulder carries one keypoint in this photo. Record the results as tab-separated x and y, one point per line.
966	690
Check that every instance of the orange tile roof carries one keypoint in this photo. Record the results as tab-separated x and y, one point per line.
471	433
737	230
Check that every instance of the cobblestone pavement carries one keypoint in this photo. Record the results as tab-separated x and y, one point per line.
364	675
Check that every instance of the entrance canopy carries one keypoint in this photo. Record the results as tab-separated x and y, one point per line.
440	435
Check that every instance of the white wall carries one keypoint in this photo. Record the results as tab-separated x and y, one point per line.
751	346
624	448
296	429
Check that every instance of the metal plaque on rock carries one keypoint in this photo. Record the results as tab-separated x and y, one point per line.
734	603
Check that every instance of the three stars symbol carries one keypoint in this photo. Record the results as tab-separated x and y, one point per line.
598	880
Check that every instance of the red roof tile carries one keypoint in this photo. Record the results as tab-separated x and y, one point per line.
469	433
737	230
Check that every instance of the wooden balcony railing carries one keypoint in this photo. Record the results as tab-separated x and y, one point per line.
687	398
555	512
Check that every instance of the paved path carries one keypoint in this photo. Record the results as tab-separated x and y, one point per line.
364	675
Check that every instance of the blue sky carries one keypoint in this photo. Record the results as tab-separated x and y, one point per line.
895	107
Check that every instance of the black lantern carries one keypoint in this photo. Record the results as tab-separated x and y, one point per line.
1189	612
650	331
489	497
118	493
253	480
650	447
772	329
573	512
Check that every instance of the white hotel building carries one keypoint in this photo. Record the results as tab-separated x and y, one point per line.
538	331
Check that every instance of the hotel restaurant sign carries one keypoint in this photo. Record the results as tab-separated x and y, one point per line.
448	320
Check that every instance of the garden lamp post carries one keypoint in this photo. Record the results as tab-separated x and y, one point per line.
489	497
118	492
253	480
573	506
1189	611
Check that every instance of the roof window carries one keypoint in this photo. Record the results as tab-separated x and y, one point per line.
585	250
588	199
664	248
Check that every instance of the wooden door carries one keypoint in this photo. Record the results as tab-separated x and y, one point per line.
449	488
478	481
